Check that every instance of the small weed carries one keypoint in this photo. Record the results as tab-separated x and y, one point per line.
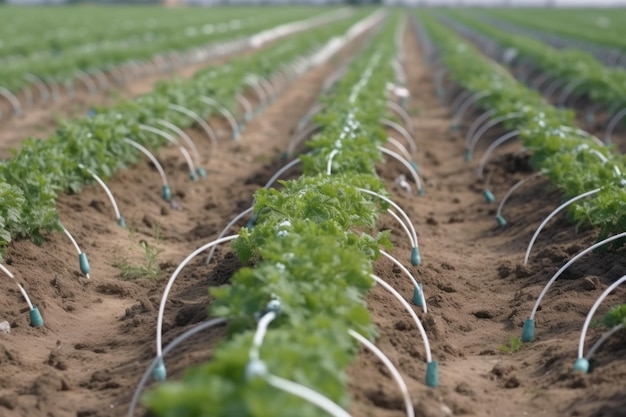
515	344
150	269
158	232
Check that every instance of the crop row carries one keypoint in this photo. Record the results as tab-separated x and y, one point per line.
549	132
60	67
294	316
45	31
575	69
598	26
574	162
31	180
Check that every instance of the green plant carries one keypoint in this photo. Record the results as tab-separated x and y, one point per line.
33	177
309	251
150	269
550	133
515	344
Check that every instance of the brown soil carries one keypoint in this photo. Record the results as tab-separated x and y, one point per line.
99	334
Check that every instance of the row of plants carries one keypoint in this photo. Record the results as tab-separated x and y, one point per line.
603	85
549	132
568	159
33	177
601	26
46	31
312	265
62	67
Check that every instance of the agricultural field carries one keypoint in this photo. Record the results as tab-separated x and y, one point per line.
311	211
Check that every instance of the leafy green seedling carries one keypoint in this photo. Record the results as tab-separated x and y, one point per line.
515	344
150	269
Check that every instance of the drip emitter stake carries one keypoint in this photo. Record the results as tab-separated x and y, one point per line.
166	190
83	263
35	316
432	367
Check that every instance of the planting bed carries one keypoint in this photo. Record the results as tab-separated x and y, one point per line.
98	336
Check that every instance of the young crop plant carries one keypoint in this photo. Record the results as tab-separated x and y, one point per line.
312	270
573	161
34	176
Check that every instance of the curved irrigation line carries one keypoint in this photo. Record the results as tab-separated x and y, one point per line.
554	86
405	133
55	90
281	172
416	258
329	162
247	107
201	122
227	114
226	229
102	79
601	157
172	139
569	89
269	87
307	394
528	332
395	142
259	335
539	80
432	375
584	134
408	122
501	220
418	293
184	136
83	263
612	124
160	372
257	368
459	99
171	346
476	124
313	111
602	339
92	89
404	227
35	316
252	82
408	403
166	191
44	94
582	364
298	138
551	215
483	160
409	167
467	103
12	99
480	132
412	234
118	216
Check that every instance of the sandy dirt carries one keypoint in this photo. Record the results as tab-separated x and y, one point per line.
99	334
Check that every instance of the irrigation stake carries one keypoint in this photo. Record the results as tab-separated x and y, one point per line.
528	332
582	364
35	316
160	372
432	367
